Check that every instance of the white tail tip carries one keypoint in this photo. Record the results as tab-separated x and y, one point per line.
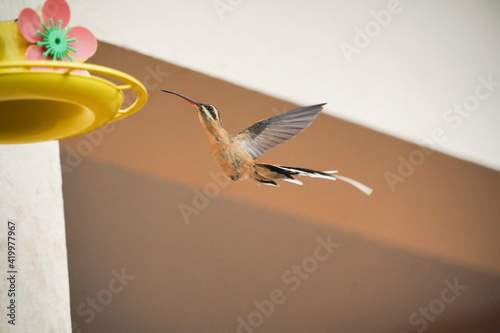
363	188
295	181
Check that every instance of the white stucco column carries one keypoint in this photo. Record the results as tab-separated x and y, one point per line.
34	283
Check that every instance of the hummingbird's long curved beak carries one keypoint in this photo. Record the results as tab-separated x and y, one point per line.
186	98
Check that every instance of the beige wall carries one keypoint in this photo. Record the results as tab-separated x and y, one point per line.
395	252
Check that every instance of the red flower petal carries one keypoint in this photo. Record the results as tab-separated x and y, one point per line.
85	44
35	53
57	10
28	23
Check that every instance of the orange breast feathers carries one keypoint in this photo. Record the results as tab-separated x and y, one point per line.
232	158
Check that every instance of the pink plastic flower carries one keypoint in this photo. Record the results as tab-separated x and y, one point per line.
54	40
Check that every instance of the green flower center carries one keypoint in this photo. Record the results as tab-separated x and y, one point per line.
56	41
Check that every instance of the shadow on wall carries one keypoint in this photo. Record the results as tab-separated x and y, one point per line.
135	265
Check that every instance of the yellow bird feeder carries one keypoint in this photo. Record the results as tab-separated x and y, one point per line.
38	103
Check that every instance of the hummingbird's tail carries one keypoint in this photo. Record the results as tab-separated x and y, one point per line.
268	173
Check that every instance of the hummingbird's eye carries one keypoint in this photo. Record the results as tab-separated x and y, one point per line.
211	109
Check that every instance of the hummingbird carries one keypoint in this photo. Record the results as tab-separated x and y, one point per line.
237	154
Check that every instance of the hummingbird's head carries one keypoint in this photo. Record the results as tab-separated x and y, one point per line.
208	113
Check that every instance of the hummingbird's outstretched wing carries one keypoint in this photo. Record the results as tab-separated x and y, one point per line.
271	132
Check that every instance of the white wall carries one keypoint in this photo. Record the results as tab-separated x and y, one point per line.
31	198
32	231
429	56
